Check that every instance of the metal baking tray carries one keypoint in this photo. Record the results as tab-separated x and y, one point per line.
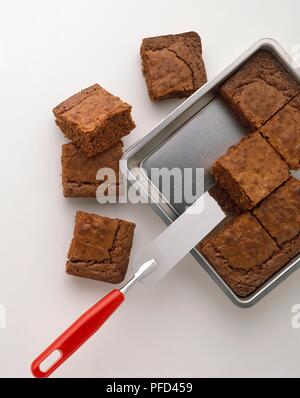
194	135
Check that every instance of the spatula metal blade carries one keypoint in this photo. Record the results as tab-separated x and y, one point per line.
180	237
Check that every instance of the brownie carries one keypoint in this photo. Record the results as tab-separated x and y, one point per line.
250	171
243	254
259	89
94	119
280	216
100	248
173	65
283	133
224	200
79	172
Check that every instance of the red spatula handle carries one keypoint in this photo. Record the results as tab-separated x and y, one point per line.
80	331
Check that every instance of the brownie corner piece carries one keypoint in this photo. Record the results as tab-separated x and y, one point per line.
79	171
243	254
250	171
280	215
259	89
94	119
100	248
173	65
283	132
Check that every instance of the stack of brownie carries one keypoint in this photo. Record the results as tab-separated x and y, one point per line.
254	179
95	121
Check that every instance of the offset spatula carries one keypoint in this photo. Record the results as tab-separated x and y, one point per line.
150	266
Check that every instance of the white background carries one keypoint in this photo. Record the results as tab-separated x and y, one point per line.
184	326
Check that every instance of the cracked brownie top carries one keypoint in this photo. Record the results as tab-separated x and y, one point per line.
283	133
93	238
243	254
250	171
90	108
244	243
94	119
280	212
173	65
259	89
100	247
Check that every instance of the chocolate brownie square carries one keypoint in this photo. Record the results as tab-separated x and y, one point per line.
283	133
280	216
173	65
94	119
243	254
79	172
259	89
250	171
100	248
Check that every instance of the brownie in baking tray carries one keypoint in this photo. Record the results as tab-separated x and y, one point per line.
100	248
283	132
79	172
173	65
280	216
94	119
259	89
243	254
250	171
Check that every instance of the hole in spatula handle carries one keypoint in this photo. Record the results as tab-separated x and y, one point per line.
50	361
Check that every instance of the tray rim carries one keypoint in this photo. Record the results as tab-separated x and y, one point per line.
167	214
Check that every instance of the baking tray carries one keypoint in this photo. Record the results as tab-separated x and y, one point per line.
194	135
